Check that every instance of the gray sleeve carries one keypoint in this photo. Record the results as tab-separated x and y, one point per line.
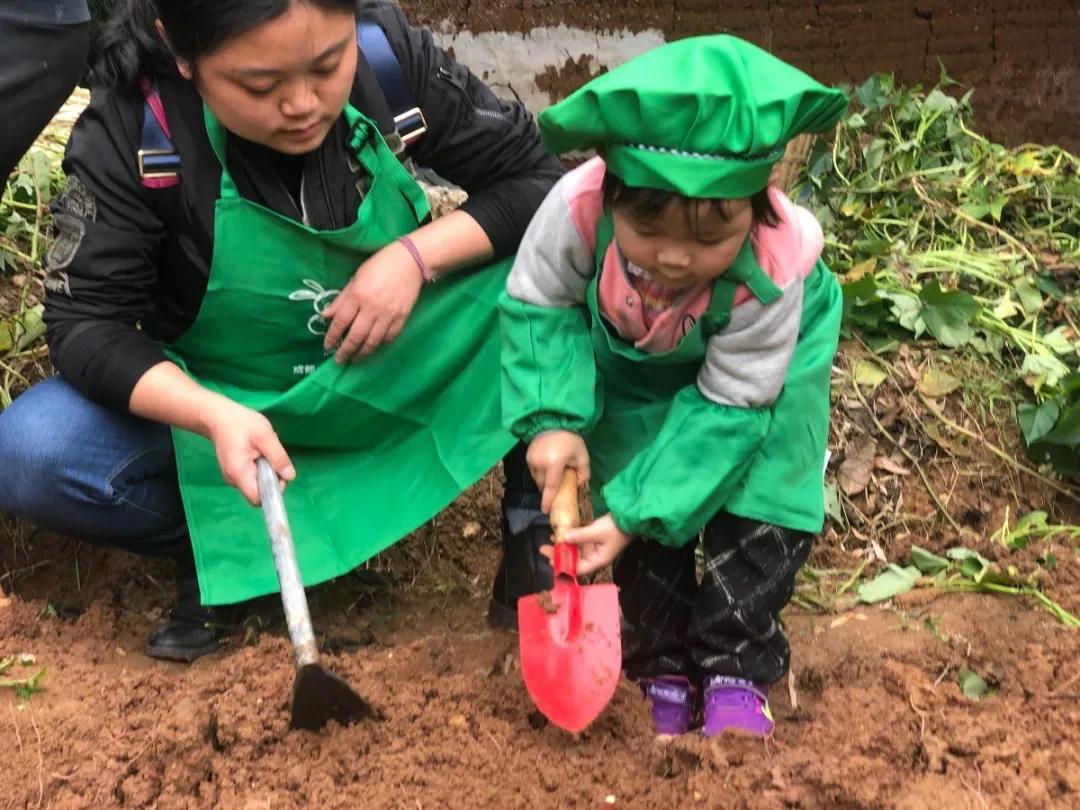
746	363
554	266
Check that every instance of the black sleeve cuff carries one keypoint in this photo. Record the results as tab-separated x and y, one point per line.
105	361
505	208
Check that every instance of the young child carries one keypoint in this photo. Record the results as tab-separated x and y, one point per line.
669	328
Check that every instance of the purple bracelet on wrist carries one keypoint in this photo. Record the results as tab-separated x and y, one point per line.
425	271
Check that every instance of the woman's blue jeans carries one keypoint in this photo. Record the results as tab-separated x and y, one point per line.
77	468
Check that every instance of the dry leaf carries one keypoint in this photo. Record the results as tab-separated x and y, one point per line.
955	446
868	374
909	367
887	464
854	474
877	551
860	270
889	417
936	383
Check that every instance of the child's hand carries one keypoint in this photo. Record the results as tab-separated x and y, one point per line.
549	454
600	543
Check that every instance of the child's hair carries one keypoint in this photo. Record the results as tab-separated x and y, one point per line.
129	46
646	203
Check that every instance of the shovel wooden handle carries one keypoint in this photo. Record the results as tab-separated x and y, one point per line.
564	506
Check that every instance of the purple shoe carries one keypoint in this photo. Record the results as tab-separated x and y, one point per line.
737	705
675	705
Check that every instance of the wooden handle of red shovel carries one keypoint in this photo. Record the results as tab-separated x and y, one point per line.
564	506
565	515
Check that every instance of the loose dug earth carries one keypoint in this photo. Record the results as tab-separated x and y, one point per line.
879	722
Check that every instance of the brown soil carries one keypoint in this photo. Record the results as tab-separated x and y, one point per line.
878	720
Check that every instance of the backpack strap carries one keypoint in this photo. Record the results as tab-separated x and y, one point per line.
159	162
408	118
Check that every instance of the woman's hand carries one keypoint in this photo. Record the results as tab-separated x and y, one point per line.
373	307
600	543
549	454
240	436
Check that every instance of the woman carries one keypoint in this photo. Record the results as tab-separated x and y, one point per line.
274	302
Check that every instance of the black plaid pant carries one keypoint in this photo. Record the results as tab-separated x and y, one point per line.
726	624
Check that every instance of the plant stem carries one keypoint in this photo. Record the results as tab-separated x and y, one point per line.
853	579
16	204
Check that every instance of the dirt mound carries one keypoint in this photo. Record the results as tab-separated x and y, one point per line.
878	719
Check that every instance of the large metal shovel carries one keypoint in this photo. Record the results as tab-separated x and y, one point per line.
571	646
319	696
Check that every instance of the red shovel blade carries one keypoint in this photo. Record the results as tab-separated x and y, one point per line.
571	646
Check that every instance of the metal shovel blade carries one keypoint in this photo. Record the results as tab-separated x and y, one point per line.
571	646
319	696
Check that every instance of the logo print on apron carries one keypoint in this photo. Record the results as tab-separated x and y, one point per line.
320	299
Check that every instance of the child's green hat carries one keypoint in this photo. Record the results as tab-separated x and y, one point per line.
702	117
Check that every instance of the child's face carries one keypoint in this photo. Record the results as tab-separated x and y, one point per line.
688	242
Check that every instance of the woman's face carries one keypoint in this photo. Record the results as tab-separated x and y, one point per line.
284	83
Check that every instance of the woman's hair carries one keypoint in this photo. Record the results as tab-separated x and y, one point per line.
646	203
129	46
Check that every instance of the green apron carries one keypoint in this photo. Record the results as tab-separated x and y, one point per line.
379	446
644	465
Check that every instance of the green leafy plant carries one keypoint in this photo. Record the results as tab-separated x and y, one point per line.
1051	428
961	570
973	685
940	235
1032	526
24	211
24	687
24	240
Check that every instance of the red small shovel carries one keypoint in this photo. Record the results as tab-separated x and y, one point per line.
571	646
